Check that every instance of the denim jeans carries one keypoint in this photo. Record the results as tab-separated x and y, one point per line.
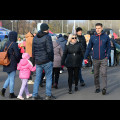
48	68
112	57
80	76
10	81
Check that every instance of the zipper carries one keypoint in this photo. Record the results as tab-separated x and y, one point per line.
99	47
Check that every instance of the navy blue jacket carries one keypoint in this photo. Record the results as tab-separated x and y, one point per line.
101	46
13	53
42	48
62	42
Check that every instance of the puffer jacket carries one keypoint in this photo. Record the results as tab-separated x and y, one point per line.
58	53
25	67
72	56
42	48
13	53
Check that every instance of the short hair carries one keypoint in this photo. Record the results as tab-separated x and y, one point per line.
6	36
78	29
70	37
99	24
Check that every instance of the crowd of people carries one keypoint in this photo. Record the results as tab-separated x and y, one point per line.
42	55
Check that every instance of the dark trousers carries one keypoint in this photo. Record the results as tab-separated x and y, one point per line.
73	72
100	66
33	62
55	75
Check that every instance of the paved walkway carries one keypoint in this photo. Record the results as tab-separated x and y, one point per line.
84	93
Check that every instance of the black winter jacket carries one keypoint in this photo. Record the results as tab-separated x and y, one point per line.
72	56
13	53
42	48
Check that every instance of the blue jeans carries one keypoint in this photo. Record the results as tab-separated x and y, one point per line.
112	57
48	68
80	77
10	81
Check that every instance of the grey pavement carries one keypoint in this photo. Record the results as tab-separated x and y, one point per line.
84	93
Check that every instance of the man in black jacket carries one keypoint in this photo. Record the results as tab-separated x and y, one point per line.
42	52
82	40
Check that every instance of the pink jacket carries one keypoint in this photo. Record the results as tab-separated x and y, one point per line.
25	67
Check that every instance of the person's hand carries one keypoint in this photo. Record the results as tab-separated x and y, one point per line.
85	61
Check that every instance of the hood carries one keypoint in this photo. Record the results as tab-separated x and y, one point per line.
101	33
24	62
29	34
25	56
55	44
41	34
12	36
61	39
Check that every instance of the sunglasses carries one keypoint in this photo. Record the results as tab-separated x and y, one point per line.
74	38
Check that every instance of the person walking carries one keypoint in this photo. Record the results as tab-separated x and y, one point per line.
29	40
82	41
25	67
100	42
71	59
42	52
14	57
58	52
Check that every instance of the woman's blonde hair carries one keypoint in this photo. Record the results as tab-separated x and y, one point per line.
70	37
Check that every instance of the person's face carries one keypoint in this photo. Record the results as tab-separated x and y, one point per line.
73	39
79	33
19	39
99	29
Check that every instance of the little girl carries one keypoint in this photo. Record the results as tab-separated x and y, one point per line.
25	67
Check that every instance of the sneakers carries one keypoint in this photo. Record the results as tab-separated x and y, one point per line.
61	71
20	97
82	84
104	91
37	98
97	90
70	91
50	97
29	96
30	82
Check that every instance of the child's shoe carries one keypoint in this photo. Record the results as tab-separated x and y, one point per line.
29	96
20	97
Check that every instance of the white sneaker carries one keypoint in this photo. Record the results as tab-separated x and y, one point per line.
20	97
61	71
30	82
29	96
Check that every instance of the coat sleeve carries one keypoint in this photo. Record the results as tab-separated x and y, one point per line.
84	44
61	51
19	67
49	47
108	50
33	51
90	45
64	55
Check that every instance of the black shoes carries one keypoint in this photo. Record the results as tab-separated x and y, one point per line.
76	88
97	90
12	95
50	97
70	91
104	91
2	92
37	98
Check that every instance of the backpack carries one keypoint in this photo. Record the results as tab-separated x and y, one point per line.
4	56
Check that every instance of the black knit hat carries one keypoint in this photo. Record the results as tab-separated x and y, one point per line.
44	27
78	29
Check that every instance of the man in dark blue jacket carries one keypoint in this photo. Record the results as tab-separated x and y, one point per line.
100	43
43	55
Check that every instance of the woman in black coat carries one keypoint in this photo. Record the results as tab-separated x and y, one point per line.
14	57
72	57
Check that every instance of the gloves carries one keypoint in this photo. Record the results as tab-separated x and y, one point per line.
85	61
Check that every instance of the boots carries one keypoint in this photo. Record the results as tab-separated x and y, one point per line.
2	92
12	95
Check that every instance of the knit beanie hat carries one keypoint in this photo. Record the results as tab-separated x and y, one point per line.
44	27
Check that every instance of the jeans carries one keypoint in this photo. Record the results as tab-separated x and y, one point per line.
48	67
10	81
112	57
80	76
24	86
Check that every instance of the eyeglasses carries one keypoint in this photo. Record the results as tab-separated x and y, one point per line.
74	38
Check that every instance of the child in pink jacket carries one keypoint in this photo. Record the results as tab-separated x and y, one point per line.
25	67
